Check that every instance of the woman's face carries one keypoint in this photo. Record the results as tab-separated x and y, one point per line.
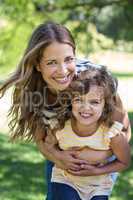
57	66
88	108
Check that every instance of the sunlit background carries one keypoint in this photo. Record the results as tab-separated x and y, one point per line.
103	33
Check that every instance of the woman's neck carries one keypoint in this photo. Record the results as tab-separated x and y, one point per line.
84	130
51	98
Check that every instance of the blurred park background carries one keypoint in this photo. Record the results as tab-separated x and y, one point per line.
103	31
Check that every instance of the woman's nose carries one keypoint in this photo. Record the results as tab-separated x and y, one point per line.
62	69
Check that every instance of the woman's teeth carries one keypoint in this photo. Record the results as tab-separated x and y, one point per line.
62	80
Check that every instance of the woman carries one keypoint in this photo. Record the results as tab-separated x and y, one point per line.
47	67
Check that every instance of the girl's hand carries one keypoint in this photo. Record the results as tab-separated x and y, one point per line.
67	161
86	170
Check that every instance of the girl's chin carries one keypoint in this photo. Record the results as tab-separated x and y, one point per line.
85	122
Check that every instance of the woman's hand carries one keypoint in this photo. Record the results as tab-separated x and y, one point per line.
49	149
86	170
66	160
91	155
77	157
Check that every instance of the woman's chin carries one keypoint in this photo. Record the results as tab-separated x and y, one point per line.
63	86
56	86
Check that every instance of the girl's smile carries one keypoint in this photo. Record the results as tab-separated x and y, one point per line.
85	115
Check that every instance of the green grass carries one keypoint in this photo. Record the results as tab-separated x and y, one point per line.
123	189
22	173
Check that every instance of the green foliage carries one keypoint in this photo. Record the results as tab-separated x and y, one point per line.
116	22
84	18
13	41
17	10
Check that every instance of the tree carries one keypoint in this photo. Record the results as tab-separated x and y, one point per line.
84	18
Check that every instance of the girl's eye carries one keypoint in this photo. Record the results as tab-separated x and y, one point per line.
95	102
76	100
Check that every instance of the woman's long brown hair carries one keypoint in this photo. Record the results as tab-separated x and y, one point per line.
27	80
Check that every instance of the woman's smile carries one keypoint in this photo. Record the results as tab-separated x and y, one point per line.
63	80
58	66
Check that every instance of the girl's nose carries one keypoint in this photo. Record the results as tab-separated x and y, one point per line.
86	106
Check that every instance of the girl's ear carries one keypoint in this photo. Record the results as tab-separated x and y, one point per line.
104	114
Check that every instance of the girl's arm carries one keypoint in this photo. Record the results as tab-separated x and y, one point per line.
121	150
47	145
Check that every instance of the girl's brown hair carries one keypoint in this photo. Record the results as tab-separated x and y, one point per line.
26	79
99	77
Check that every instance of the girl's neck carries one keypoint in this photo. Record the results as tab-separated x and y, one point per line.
84	130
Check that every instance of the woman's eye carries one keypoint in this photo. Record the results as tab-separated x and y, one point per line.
51	63
69	59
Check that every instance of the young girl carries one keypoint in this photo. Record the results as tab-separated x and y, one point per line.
89	127
46	68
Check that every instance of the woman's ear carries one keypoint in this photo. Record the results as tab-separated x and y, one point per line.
38	68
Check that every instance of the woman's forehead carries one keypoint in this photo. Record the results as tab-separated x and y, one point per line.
57	50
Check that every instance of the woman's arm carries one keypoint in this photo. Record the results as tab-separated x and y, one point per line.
92	156
121	150
121	115
127	127
46	148
47	145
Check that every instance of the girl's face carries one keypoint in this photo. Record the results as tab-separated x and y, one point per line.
88	108
57	66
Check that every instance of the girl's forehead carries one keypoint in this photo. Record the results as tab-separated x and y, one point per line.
96	92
